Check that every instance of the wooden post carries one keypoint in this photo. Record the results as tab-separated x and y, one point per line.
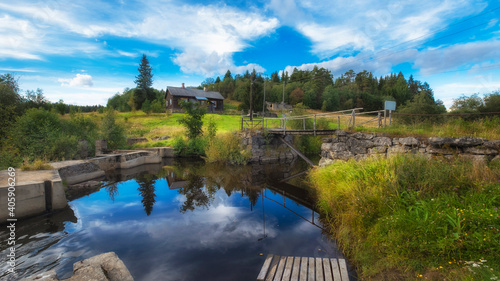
379	120
284	127
390	117
242	123
263	119
353	118
314	124
385	117
304	123
339	121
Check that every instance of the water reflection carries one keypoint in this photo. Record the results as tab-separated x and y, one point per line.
186	221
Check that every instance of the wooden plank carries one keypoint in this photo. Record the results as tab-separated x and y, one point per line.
335	270
279	271
296	269
311	270
303	269
288	269
343	270
319	270
272	270
265	268
327	270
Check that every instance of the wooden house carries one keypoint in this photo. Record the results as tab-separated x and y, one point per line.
213	101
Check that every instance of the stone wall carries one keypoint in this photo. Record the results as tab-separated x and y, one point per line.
267	148
345	146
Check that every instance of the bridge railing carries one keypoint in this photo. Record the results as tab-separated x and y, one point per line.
323	121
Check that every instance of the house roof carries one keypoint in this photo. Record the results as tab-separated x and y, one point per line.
195	93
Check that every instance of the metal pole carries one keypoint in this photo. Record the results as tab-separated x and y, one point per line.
283	100
390	117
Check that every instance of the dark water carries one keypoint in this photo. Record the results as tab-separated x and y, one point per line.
179	221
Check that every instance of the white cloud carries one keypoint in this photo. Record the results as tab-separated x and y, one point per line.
80	80
438	60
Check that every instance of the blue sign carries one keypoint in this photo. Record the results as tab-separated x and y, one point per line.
390	105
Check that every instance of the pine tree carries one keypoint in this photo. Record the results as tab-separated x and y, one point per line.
145	78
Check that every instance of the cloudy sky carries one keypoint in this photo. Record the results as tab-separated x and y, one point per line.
85	51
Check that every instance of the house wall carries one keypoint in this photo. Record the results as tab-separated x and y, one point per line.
172	103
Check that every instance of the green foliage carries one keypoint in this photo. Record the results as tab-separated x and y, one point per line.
422	103
227	148
411	215
111	131
146	107
194	147
158	105
193	119
211	129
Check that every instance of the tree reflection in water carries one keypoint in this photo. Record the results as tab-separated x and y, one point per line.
147	191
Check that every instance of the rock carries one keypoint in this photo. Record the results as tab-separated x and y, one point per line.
475	158
362	136
439	141
460	142
382	141
160	138
378	150
480	151
340	133
326	146
492	144
341	155
104	267
325	162
398	149
326	140
356	150
443	150
339	147
134	140
496	159
409	141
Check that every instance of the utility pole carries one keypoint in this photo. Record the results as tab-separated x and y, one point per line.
264	102
283	101
251	98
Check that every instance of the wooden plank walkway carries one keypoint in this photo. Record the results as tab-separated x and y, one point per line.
284	268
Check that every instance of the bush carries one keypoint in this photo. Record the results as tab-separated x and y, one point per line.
190	148
226	148
112	131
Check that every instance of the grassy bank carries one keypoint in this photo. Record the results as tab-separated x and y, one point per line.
410	218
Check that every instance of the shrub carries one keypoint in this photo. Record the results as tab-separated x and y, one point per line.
226	148
111	131
193	119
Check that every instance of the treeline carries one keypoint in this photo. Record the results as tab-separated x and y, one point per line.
31	127
150	100
317	89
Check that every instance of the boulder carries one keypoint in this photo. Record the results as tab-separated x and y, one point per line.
104	267
409	141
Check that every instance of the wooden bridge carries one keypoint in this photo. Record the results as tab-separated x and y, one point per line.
278	268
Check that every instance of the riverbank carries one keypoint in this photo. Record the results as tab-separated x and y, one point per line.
412	218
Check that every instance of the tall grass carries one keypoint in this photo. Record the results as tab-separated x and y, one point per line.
227	148
409	217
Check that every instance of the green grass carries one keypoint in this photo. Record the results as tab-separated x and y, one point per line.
411	218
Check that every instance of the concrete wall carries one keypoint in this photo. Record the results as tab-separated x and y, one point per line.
36	192
359	146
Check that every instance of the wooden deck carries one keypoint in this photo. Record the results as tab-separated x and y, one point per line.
278	268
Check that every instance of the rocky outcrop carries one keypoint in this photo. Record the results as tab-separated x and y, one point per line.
267	148
345	146
104	267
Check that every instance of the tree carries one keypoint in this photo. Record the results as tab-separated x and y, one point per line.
192	121
145	78
146	107
466	104
144	81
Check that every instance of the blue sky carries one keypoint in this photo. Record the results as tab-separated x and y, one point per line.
85	51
